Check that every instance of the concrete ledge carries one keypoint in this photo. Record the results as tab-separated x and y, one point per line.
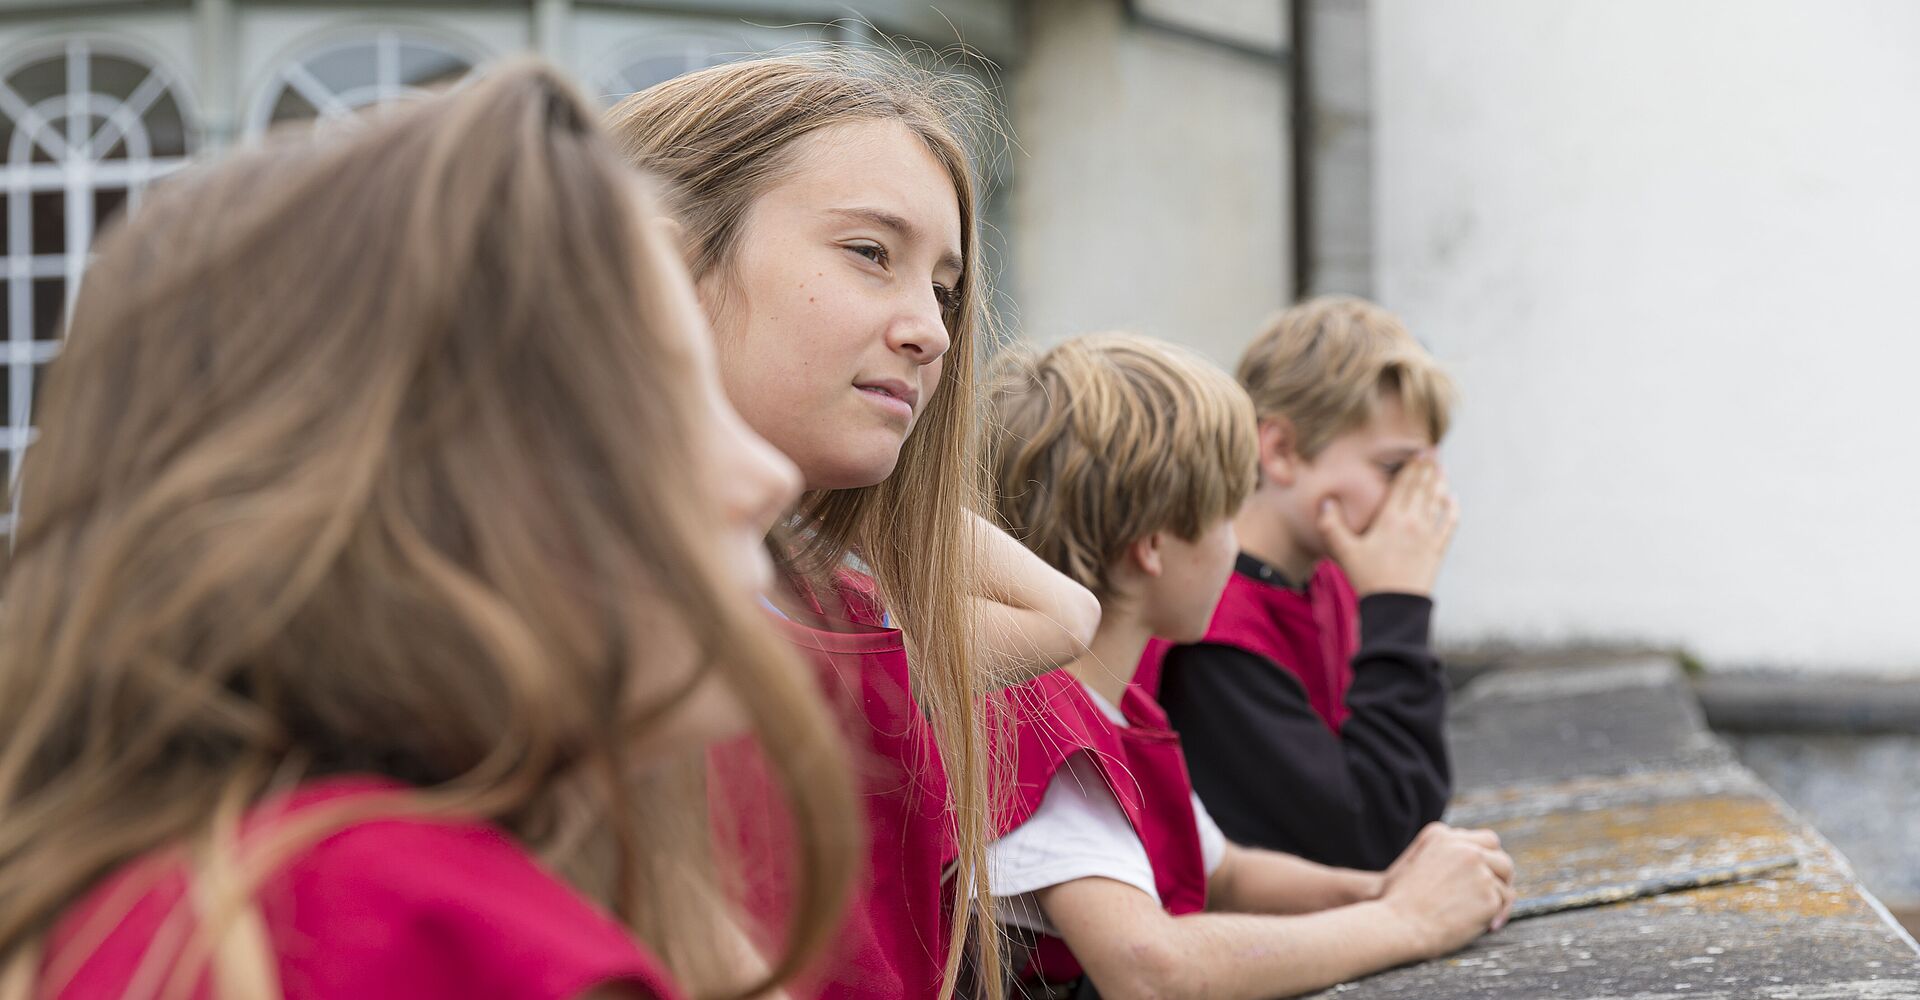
1860	792
1802	703
1594	777
1540	726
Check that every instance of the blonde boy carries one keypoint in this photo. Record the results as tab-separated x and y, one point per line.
1121	461
1313	708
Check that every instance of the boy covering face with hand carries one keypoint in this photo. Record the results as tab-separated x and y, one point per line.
1313	708
1121	461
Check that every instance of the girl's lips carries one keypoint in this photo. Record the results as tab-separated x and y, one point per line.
895	387
887	401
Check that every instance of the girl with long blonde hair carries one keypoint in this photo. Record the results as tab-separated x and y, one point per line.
365	626
830	214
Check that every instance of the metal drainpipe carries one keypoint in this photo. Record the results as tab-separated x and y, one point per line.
1290	63
1300	150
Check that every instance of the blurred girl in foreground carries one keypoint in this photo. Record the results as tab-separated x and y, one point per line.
348	583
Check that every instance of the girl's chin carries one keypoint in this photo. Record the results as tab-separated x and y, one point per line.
849	472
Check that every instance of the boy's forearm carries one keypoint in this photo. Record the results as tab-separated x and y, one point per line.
1252	880
1395	735
1234	956
1246	956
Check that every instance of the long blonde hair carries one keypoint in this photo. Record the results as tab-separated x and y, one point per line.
722	137
349	465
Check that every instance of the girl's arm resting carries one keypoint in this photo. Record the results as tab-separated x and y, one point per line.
1032	617
1250	880
1131	948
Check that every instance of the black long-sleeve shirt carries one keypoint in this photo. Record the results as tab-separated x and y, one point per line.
1274	776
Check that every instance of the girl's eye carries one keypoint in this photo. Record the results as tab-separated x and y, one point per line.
1392	469
949	298
871	251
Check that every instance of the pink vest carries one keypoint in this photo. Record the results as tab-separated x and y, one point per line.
1053	719
1312	635
893	942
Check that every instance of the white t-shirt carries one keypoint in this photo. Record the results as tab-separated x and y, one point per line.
1079	831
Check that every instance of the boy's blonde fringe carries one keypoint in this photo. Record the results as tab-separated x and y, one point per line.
1322	363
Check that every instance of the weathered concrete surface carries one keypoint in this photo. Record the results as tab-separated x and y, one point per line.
1599	776
1863	792
1543	726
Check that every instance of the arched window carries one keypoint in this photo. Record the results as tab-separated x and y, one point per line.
86	127
335	79
664	57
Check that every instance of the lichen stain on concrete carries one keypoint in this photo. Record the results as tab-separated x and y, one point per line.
1783	899
1563	851
1621	843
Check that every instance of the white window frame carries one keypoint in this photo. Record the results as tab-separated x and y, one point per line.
61	127
335	105
696	49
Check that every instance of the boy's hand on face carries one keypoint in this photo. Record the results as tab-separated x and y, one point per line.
1401	551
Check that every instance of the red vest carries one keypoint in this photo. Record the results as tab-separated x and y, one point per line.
893	942
1312	635
1053	719
387	907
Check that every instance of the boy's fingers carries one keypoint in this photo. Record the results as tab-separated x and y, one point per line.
1413	478
1443	505
1480	835
1501	863
1434	501
1401	491
1333	528
1424	483
1507	898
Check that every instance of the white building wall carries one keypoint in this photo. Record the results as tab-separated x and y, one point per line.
1672	252
1150	182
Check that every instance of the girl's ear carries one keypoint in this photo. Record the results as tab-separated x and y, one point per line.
1279	451
1146	554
